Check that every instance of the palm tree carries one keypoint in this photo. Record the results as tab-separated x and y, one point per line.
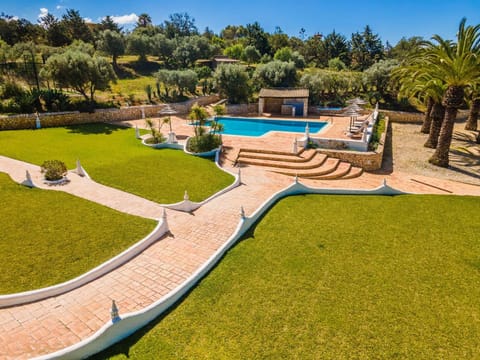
199	114
472	121
456	65
419	85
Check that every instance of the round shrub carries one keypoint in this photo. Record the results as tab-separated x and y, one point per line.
54	169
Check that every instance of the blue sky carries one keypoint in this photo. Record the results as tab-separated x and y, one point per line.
390	19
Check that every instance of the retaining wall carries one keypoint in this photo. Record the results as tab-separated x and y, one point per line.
368	161
28	121
238	109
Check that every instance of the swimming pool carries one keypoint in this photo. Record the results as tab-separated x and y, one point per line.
258	127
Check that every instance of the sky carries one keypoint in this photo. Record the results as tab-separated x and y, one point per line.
391	19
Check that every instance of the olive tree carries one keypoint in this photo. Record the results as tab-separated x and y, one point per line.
80	71
112	43
231	81
276	74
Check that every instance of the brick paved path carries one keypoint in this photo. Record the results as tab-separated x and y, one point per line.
55	323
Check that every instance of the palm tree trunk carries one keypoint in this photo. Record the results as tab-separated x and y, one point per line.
437	115
428	119
473	116
452	100
440	157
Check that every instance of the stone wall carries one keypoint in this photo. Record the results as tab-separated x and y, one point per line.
242	109
368	161
27	121
404	117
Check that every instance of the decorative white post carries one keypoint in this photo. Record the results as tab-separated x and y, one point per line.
28	181
376	106
137	132
307	131
38	124
239	176
295	146
143	112
296	178
172	138
185	196
242	212
114	312
164	219
80	170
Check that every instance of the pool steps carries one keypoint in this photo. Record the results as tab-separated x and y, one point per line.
307	163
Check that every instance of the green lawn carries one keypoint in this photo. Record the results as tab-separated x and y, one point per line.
48	237
112	156
335	277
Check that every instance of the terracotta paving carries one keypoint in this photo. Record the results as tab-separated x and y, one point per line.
55	323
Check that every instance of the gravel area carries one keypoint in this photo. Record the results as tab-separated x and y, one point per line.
405	152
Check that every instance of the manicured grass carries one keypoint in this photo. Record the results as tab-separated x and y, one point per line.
335	277
112	156
48	237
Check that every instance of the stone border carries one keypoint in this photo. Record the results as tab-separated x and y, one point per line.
35	295
123	326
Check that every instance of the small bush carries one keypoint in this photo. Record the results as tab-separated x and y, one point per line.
54	169
204	143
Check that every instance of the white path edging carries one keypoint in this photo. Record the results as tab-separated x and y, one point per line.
206	154
40	294
113	332
188	206
163	145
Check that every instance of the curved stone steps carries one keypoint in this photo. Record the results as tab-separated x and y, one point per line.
316	162
328	166
342	170
304	157
353	173
274	152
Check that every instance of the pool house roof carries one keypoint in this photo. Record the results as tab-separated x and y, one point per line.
284	93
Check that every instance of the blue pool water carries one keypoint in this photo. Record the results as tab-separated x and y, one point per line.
259	127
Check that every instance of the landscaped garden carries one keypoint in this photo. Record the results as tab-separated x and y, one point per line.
352	277
49	237
112	156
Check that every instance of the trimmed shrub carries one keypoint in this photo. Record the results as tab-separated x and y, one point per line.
54	169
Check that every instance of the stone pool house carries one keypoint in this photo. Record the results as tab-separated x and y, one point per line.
284	101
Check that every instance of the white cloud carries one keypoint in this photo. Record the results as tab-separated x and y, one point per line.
88	20
125	19
58	7
43	12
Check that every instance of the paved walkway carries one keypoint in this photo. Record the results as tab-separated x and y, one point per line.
55	323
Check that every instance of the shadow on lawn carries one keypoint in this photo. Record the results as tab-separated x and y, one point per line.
92	129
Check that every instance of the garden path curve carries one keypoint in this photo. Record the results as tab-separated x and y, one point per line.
49	325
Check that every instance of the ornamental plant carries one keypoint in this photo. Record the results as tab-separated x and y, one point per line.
53	169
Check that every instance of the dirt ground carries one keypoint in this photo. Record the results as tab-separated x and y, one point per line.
405	152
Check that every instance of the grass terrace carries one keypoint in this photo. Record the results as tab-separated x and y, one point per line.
112	156
49	237
334	277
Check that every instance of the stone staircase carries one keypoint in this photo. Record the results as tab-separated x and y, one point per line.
307	163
